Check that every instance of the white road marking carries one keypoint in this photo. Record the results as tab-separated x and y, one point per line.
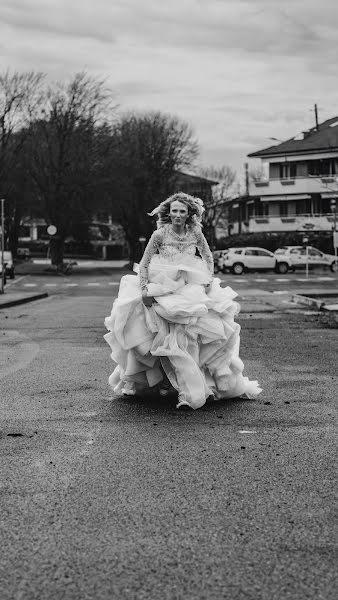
92	284
113	283
305	279
282	280
71	284
16	281
325	278
246	431
30	284
261	279
51	284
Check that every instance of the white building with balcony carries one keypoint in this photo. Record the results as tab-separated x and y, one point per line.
300	189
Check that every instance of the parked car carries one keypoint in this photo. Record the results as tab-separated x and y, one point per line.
239	260
23	253
300	256
8	260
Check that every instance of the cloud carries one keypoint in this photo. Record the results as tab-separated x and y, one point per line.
239	71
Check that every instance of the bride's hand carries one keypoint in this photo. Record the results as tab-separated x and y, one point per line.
147	301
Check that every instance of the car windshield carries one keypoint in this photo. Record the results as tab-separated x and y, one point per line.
281	251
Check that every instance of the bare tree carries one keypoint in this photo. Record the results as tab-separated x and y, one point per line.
20	95
215	208
148	150
257	173
65	153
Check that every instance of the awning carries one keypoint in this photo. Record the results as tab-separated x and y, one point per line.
285	197
329	195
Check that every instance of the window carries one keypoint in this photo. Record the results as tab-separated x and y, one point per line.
261	209
263	253
250	252
237	251
314	252
250	209
287	170
323	167
283	209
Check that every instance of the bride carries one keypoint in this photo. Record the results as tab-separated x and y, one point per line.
173	325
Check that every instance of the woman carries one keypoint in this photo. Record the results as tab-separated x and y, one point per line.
173	325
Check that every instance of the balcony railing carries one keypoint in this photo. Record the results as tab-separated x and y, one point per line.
292	222
294	185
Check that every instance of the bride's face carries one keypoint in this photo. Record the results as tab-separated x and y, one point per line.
178	212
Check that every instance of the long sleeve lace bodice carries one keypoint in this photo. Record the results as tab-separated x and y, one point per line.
170	245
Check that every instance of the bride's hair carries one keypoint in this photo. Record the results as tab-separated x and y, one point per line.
194	205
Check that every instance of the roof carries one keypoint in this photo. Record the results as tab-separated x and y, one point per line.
193	176
325	138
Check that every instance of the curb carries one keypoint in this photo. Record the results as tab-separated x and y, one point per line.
299	299
22	300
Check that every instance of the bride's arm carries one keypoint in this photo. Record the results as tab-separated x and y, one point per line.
205	252
151	249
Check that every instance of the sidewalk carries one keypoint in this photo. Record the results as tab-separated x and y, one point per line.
43	265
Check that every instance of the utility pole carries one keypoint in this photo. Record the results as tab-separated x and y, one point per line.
316	117
246	167
2	246
333	206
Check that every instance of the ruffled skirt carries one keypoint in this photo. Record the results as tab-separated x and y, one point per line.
188	334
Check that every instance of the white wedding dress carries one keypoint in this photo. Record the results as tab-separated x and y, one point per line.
188	333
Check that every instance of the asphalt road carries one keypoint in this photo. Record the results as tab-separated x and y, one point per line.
94	277
107	498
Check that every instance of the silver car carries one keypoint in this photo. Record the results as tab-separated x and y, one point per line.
252	258
300	256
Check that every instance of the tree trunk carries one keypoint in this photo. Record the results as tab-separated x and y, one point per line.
56	246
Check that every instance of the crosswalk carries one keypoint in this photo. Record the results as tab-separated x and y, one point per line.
226	281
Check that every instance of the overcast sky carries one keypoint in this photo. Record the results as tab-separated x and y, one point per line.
239	71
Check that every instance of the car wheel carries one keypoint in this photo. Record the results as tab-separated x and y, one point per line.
333	267
282	268
238	268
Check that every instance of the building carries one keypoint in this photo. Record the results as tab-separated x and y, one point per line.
195	185
300	188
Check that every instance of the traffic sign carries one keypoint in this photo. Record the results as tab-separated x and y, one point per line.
51	230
